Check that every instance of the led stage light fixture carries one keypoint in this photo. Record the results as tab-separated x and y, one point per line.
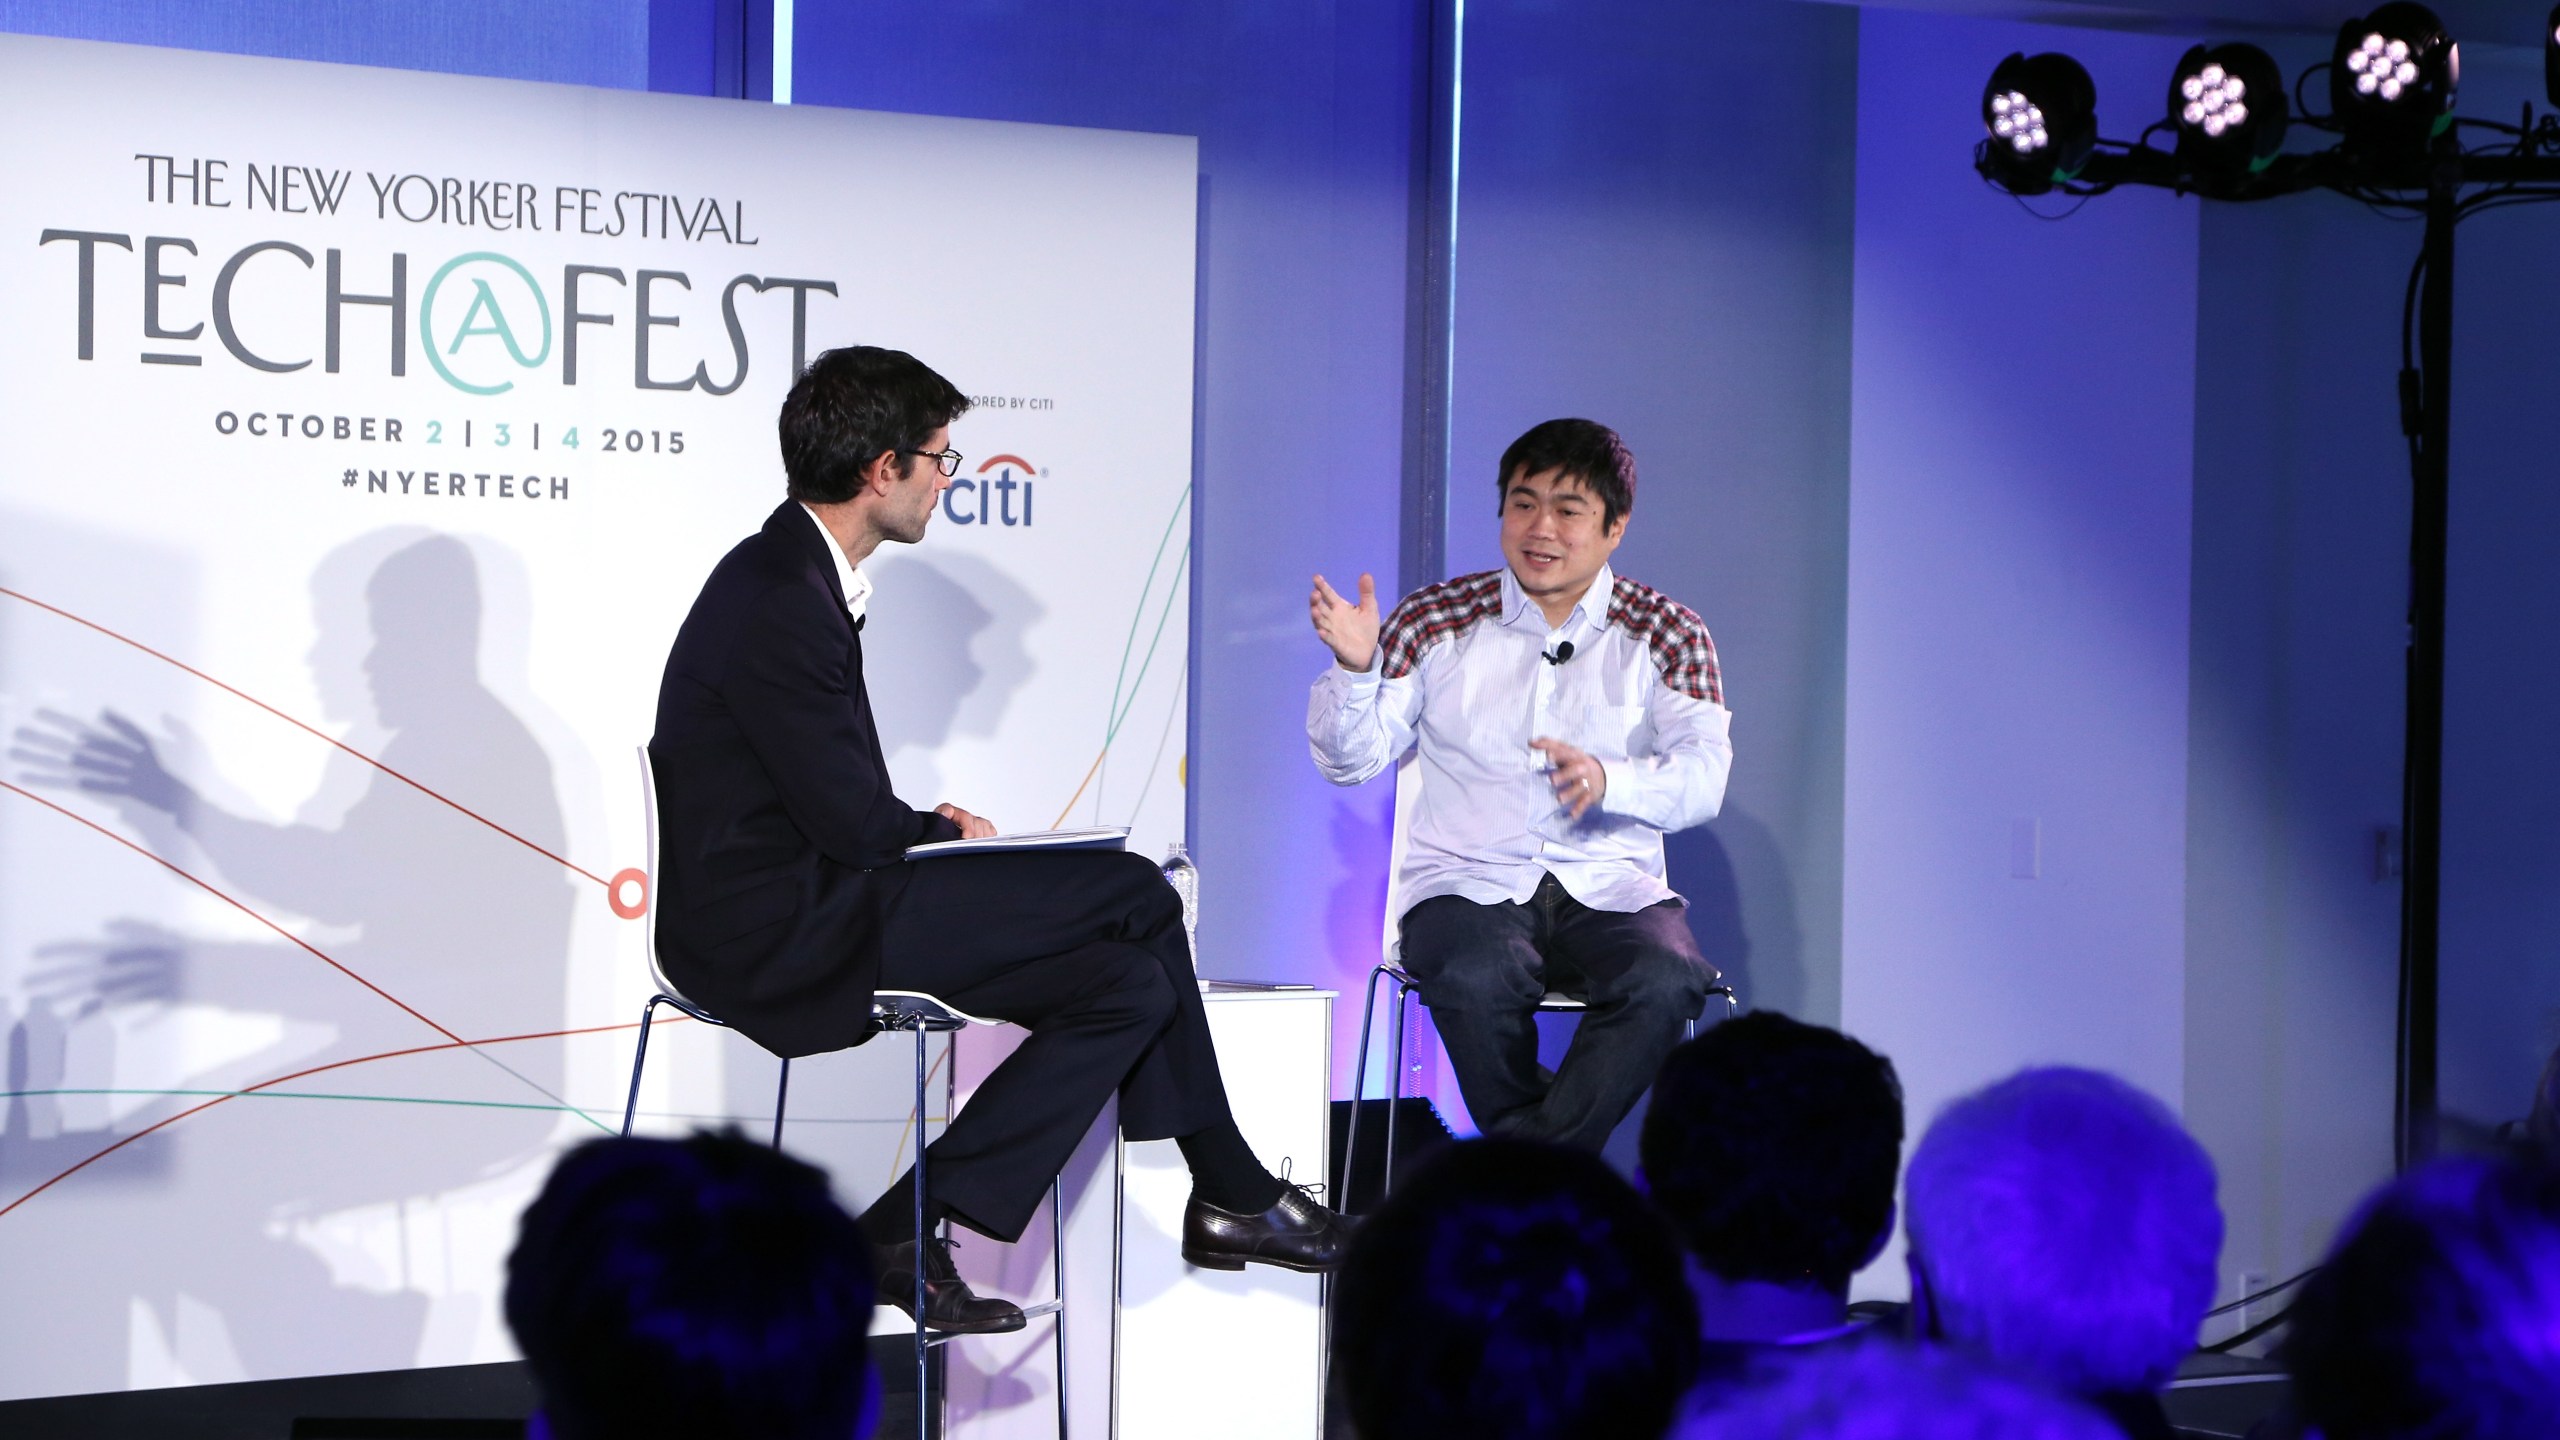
2551	57
2228	104
2394	76
2042	114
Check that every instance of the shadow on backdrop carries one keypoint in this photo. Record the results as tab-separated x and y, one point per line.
286	1217
1762	955
944	651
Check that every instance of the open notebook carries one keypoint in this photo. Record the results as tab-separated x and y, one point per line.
1105	837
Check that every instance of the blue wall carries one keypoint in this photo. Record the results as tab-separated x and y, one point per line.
582	42
2502	673
1656	236
2301	564
2301	559
2017	589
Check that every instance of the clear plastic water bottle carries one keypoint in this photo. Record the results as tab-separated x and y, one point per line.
1184	877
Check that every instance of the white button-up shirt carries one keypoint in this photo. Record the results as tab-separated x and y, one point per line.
1461	675
857	586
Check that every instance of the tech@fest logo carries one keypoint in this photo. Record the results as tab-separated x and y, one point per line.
998	494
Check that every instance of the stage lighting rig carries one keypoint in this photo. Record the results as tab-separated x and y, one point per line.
2394	78
2042	112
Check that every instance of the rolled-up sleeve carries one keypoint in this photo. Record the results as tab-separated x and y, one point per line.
1358	724
1680	783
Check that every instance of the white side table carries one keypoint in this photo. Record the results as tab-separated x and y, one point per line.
1237	1354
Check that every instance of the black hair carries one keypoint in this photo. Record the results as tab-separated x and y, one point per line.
1514	1291
699	1288
1772	1146
2437	1313
850	405
1585	450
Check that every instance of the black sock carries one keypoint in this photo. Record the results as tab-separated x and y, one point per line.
891	1220
1224	1172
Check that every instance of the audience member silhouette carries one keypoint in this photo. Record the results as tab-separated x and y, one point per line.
1772	1146
2063	1223
2437	1315
1513	1290
2542	1123
699	1289
1877	1389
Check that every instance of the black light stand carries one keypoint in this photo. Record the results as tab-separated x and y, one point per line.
2430	178
2414	1119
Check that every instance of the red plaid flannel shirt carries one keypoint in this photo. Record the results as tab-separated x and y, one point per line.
1682	650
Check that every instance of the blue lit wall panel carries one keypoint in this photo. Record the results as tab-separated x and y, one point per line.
2021	453
584	42
1654	232
2501	990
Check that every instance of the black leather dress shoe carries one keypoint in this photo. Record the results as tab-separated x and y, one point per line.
949	1305
1297	1233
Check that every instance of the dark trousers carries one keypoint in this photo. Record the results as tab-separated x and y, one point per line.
1483	968
1085	950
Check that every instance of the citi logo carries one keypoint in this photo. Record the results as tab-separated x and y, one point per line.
989	497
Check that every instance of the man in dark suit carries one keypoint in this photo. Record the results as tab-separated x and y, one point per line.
785	899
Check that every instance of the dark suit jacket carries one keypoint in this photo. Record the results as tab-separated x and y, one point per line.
779	839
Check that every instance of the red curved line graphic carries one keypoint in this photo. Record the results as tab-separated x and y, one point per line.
1015	461
299	725
299	1075
412	1010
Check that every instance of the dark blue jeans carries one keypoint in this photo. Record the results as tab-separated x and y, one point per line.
1483	968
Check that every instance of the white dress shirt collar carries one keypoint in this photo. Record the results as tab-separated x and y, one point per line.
1594	604
857	586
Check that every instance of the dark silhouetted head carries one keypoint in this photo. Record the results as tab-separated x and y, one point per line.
1514	1291
2438	1312
1772	1146
424	604
2063	1222
1883	1389
2542	1123
851	406
708	1288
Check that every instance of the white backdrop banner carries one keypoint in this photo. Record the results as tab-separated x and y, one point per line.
364	436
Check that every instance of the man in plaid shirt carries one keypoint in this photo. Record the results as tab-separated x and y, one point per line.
1564	719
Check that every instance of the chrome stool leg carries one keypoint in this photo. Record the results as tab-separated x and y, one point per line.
1359	1085
1058	1283
923	1430
1395	1086
639	1058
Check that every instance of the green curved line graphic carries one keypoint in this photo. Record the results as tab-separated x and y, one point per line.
1164	737
1139	612
462	1104
1162	616
1114	712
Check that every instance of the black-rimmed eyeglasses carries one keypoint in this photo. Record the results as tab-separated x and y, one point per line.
946	461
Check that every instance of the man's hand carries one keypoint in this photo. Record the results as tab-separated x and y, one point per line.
1578	779
971	826
1350	631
